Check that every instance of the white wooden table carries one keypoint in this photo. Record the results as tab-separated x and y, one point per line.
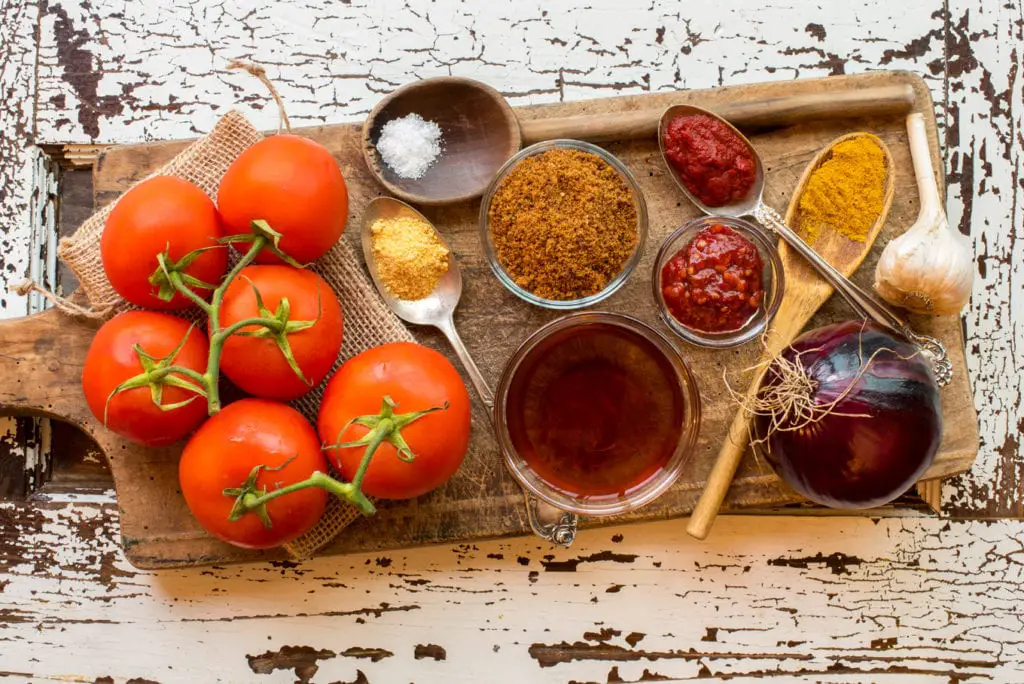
767	598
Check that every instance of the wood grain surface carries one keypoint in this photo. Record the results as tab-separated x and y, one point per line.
482	501
767	599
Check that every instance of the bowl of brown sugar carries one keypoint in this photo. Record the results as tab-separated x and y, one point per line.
563	224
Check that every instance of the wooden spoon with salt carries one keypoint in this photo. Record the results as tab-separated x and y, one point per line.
806	291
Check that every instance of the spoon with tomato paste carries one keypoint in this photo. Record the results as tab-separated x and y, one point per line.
721	173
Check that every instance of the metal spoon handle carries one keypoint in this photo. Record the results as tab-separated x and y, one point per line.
862	302
447	326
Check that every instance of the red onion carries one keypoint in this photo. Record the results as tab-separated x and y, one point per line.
849	416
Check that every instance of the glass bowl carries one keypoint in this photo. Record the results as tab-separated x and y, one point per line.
641	225
527	367
772	281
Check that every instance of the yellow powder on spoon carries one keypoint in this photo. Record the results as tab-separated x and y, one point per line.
409	255
846	193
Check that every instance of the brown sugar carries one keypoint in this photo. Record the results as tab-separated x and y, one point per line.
563	223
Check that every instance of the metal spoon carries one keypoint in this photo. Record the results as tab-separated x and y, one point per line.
436	309
753	206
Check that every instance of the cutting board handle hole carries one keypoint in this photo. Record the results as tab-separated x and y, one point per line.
43	459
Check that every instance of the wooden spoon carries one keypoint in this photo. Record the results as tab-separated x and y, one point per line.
786	110
480	131
805	292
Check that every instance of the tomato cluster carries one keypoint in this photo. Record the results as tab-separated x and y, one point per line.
395	419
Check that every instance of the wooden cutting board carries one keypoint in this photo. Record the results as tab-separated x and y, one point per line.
41	357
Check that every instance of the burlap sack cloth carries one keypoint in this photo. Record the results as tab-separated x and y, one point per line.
368	322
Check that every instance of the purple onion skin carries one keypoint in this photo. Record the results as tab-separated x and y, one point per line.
858	462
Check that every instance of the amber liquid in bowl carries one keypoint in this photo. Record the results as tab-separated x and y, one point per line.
595	411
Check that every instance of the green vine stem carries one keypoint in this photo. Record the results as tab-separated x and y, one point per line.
170	278
383	427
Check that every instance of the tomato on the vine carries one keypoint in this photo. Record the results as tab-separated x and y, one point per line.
112	359
296	186
222	454
164	213
255	362
416	378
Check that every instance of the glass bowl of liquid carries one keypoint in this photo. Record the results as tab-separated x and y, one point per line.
596	413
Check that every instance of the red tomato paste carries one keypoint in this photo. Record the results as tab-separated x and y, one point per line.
713	284
713	162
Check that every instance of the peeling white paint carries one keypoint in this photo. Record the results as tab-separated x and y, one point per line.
18	51
755	598
42	220
333	62
985	94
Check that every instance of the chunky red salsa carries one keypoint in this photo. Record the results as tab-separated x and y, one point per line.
713	284
713	162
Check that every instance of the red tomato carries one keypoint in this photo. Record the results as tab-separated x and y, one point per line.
416	378
296	186
223	452
256	364
112	359
156	213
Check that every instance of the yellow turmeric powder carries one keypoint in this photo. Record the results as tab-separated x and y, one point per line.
845	193
410	257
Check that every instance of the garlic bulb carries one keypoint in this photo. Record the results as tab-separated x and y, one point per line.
930	268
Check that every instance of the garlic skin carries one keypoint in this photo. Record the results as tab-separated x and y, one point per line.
927	270
930	268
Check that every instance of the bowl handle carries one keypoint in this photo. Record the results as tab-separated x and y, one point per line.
548	522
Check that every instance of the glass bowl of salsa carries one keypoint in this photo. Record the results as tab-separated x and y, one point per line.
596	413
718	281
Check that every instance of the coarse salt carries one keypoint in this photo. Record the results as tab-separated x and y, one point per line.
409	145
